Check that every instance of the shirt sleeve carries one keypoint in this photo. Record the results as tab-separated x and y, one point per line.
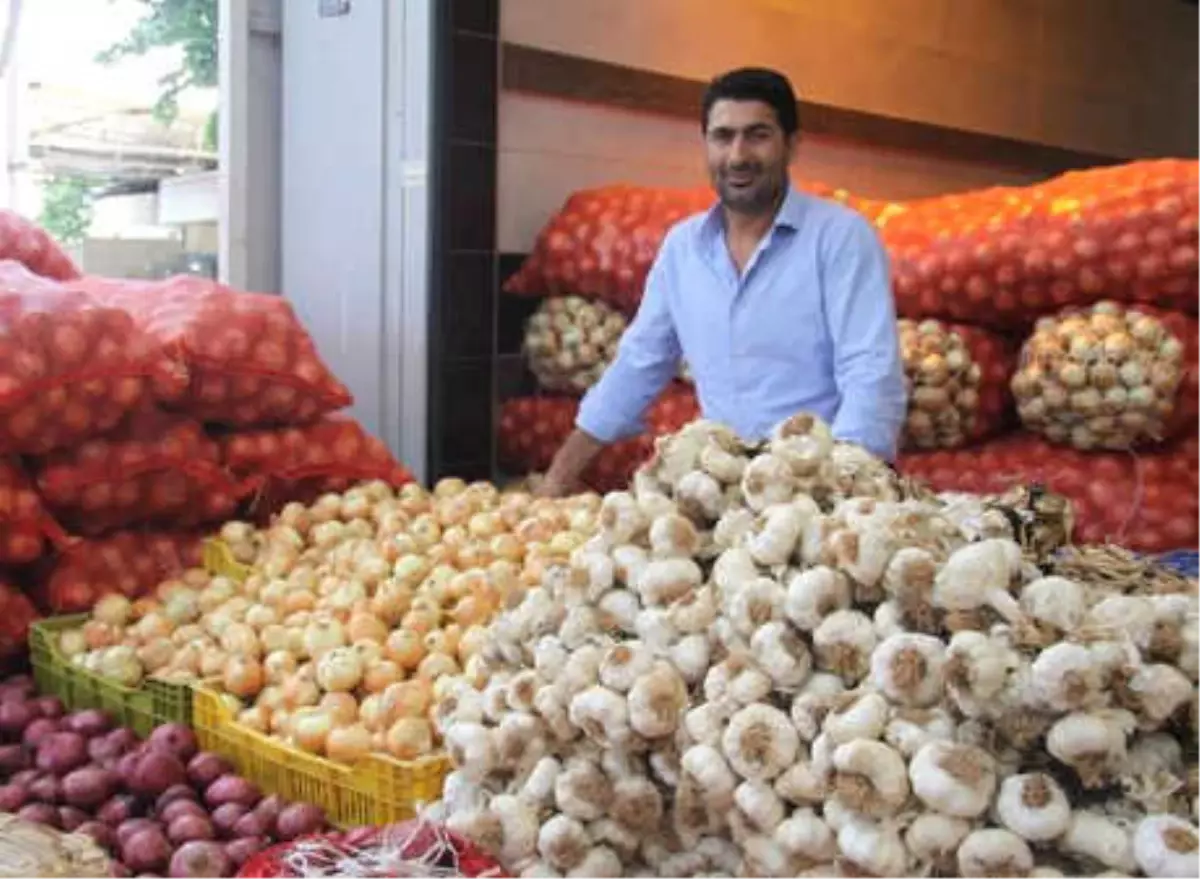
647	358
866	348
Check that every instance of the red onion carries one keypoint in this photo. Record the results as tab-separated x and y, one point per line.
178	808
62	752
39	813
71	818
146	850
154	772
299	819
232	789
89	723
186	828
13	758
118	810
13	797
88	787
39	730
206	767
175	739
15	717
200	859
50	707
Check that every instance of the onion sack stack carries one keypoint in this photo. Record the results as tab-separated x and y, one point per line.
771	662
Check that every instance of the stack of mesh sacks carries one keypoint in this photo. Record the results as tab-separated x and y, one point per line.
1048	333
135	416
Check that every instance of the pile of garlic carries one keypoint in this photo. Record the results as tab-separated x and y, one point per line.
943	386
569	342
1105	378
768	664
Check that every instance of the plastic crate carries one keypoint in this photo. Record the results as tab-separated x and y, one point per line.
141	708
219	561
377	790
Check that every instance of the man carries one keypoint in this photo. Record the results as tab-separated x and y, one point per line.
778	301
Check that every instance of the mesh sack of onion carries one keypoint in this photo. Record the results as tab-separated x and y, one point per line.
300	463
70	367
1003	257
1144	501
1109	377
411	848
16	614
957	378
156	469
129	563
24	522
32	246
249	360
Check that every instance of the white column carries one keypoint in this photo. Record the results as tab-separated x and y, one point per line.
250	88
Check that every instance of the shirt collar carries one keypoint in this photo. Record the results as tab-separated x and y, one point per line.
789	215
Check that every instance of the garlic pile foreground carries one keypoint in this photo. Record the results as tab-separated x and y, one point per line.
355	606
1103	378
769	663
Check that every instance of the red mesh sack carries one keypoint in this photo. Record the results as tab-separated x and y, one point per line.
531	429
613	468
70	367
249	360
300	463
674	408
1144	501
158	469
131	563
1002	257
602	242
16	614
24	522
32	246
958	383
408	848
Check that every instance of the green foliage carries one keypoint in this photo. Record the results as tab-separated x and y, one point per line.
191	24
67	207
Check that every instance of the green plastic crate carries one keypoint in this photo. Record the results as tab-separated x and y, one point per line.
139	708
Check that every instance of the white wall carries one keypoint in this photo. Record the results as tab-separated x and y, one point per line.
355	133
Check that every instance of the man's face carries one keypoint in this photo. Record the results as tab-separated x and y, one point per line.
748	155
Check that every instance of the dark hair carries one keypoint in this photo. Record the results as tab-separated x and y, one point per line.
755	84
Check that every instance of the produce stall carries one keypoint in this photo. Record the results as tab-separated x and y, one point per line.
258	646
1048	333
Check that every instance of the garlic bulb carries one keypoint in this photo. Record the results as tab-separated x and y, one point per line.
1166	845
1103	378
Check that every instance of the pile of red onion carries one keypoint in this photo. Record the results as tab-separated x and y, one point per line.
160	807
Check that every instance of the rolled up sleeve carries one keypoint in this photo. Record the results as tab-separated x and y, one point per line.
647	358
862	321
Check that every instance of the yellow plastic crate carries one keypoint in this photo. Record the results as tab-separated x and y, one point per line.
378	790
141	708
219	561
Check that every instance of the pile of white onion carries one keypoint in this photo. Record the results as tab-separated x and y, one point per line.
569	342
943	385
768	664
1103	378
357	604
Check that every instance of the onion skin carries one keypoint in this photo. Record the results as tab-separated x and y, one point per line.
13	758
206	767
89	723
232	789
300	819
40	813
13	797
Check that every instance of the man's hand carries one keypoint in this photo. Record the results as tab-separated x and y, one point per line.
551	487
563	476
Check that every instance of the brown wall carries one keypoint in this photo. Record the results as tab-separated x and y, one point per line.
1114	76
1120	82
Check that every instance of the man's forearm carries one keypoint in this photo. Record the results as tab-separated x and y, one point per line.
579	450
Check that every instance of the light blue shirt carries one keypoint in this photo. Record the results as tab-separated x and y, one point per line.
810	325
